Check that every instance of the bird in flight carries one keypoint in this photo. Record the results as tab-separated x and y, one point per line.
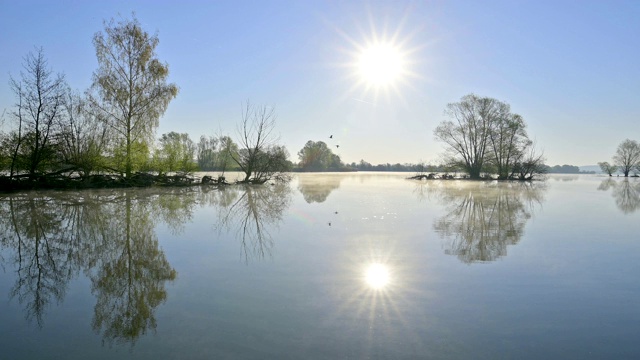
337	146
331	137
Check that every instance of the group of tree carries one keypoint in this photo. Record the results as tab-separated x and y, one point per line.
566	169
626	159
483	136
111	127
419	168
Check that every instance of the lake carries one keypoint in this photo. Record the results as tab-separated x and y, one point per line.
329	266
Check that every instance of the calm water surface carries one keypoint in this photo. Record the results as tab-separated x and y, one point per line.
329	266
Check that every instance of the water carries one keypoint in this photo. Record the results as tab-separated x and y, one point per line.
361	265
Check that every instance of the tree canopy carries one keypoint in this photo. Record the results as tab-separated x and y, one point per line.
627	156
130	91
482	135
316	156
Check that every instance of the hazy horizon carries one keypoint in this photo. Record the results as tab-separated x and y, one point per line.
568	68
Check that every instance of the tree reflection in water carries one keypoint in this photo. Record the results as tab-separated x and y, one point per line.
625	192
110	236
44	257
252	212
131	273
315	190
107	234
483	217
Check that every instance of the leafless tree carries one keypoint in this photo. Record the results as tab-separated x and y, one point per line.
467	133
39	106
483	135
530	164
82	138
259	156
627	156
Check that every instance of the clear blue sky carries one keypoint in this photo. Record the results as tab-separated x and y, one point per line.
570	68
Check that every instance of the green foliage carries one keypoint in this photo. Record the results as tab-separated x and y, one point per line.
316	156
130	90
136	159
175	153
216	153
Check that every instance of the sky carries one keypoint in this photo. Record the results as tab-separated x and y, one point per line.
571	69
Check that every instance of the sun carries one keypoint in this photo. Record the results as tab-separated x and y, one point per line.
380	64
382	61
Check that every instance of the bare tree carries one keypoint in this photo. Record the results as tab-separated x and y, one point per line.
40	101
467	133
508	139
627	156
530	164
483	135
82	138
259	156
130	86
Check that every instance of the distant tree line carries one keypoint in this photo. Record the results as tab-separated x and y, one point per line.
566	169
317	156
626	159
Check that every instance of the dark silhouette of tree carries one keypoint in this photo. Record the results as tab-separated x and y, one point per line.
40	97
627	156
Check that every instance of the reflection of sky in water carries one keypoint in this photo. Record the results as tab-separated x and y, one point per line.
382	267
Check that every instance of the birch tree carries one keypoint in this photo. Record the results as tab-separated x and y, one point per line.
130	91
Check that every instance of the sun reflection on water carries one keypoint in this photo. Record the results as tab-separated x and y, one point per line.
377	276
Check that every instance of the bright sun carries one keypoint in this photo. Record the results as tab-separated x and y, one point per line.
380	64
377	276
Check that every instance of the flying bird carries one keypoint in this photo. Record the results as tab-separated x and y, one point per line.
331	137
337	146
